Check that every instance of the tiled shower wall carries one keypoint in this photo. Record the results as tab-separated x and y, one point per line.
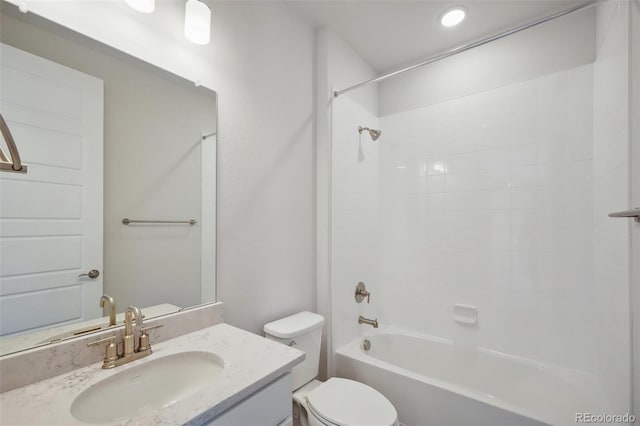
487	200
355	217
611	193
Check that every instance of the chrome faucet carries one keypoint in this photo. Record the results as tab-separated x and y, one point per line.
112	308
363	320
130	350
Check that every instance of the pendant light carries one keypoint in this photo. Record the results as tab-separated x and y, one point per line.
197	22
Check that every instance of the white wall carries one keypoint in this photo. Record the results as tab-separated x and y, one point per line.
260	62
355	208
338	65
263	63
634	50
561	44
611	193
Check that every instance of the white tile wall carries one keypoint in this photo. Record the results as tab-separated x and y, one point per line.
486	200
611	193
355	253
498	200
634	51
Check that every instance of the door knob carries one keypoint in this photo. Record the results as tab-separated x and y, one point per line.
94	273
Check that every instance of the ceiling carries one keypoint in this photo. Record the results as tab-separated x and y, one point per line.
389	34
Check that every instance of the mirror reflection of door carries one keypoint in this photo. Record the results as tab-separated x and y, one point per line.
50	218
153	166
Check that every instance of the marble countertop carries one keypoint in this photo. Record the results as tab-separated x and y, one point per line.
251	362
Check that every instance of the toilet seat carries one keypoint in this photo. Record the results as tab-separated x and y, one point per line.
344	402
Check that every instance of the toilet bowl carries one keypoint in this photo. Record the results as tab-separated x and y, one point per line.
336	402
344	402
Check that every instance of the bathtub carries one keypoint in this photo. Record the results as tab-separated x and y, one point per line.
434	382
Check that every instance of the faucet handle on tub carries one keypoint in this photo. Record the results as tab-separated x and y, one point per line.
361	293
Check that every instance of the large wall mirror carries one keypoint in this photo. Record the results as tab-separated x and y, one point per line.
119	194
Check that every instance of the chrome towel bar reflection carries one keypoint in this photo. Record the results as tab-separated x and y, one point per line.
127	221
634	213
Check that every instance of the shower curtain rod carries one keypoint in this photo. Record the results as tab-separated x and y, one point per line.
468	46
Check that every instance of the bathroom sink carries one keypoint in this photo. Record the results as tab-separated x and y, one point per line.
156	383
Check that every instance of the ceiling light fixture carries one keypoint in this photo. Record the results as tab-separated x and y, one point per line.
197	22
453	17
144	6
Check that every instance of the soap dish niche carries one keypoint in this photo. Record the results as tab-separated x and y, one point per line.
465	314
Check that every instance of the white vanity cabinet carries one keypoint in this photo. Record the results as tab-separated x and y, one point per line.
269	406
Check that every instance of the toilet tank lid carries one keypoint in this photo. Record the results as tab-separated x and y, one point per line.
294	325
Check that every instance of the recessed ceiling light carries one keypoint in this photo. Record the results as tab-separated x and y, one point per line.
453	17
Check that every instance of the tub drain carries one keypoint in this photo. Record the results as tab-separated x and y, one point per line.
366	345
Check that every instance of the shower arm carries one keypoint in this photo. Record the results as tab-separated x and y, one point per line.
375	134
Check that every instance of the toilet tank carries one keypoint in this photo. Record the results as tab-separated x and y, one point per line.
302	331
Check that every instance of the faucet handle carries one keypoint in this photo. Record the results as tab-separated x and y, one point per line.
111	352
361	293
145	345
110	339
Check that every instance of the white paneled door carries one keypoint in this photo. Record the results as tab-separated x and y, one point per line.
51	217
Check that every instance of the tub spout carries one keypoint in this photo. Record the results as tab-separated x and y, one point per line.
363	320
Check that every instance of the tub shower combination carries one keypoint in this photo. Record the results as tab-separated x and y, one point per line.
433	381
482	208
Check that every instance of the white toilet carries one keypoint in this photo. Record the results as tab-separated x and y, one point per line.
336	402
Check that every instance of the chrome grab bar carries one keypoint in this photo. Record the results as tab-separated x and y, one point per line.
15	164
127	221
633	213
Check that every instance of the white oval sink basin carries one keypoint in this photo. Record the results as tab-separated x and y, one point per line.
156	383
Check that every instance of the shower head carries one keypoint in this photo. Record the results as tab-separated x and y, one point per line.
375	134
